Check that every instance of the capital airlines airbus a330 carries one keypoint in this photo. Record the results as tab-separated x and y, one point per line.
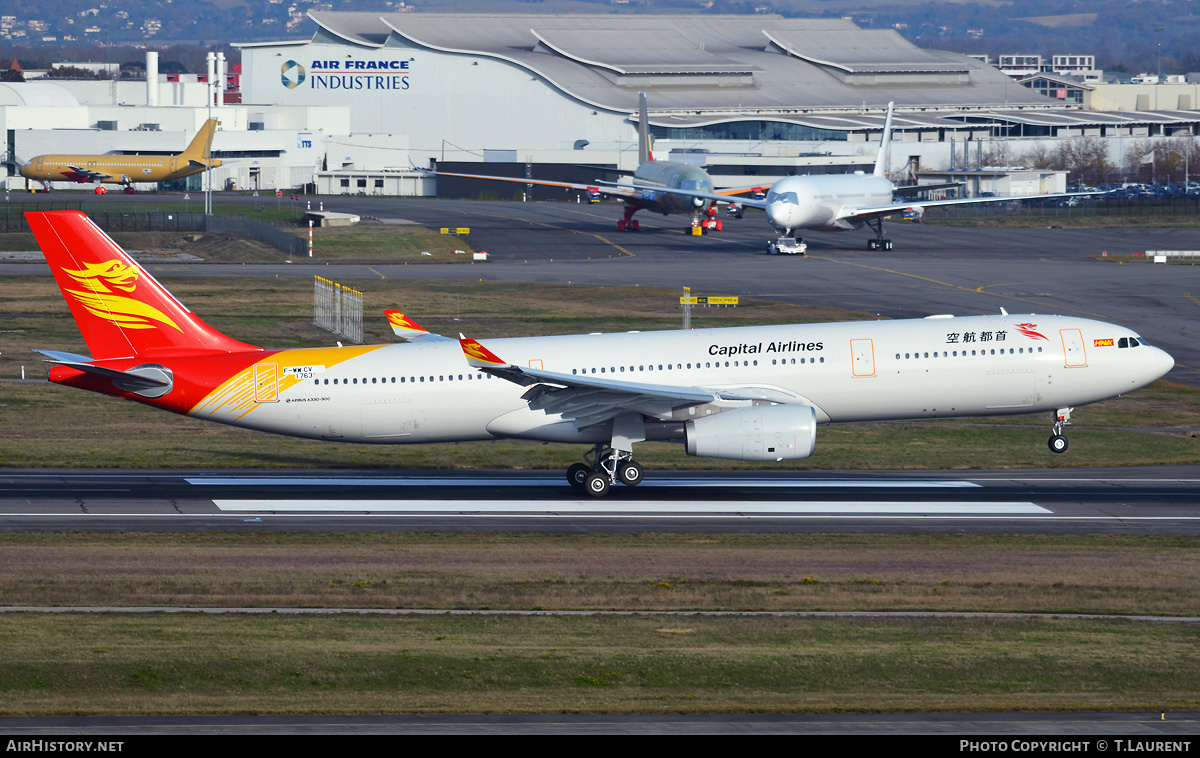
742	393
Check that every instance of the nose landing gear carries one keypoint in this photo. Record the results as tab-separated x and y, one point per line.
1058	441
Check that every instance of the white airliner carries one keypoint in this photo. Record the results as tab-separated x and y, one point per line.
743	393
842	202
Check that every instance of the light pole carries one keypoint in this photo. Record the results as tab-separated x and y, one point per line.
1183	155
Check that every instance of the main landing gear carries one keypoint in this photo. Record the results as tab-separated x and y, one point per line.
628	224
608	464
879	243
604	468
1058	441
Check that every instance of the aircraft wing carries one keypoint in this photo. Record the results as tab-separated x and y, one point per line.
88	174
597	186
408	330
852	214
588	400
722	196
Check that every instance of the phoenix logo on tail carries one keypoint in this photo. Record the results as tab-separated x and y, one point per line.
124	312
115	273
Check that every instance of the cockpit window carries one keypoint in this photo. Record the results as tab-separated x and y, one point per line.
1123	342
695	184
785	197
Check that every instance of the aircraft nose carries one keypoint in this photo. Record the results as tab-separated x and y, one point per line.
1164	362
779	214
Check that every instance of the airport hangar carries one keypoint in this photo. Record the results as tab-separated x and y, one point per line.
372	100
752	97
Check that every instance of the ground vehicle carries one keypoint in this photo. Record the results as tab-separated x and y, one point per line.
786	246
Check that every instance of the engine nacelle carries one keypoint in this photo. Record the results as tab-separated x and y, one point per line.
758	433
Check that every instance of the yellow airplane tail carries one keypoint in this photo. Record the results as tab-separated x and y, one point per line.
201	145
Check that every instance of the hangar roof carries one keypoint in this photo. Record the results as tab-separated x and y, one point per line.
704	65
35	94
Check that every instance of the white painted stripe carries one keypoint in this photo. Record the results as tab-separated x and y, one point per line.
600	516
640	507
251	481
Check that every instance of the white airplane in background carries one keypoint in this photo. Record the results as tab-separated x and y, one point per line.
832	202
741	393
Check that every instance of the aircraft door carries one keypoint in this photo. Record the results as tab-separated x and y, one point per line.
862	353
266	383
1074	354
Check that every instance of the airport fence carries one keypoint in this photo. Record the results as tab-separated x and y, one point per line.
150	220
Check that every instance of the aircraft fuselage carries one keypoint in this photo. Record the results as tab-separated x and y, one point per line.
671	176
821	202
118	169
848	372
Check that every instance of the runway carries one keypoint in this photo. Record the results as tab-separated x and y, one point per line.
1155	500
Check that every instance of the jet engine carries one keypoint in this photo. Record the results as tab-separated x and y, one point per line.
758	433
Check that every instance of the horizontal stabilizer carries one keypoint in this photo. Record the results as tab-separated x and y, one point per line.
128	380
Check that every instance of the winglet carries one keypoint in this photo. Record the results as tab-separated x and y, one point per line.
404	327
479	356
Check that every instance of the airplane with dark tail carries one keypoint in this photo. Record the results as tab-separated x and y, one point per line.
755	393
665	187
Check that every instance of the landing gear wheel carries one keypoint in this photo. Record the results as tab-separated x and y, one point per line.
630	473
596	484
1057	444
620	226
635	225
129	190
872	244
887	244
577	473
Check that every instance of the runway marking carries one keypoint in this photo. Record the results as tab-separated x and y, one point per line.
279	517
613	507
274	481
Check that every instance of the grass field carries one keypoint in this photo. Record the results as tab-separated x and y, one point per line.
1101	574
274	663
172	664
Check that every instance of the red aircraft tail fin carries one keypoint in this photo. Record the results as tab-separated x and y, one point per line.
119	307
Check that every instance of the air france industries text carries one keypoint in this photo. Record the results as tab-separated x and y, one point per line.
358	81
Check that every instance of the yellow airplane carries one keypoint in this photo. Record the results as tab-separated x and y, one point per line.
126	169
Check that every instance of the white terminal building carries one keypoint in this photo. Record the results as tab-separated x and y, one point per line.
373	100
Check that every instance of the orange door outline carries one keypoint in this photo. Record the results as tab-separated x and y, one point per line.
862	355
1073	338
266	383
